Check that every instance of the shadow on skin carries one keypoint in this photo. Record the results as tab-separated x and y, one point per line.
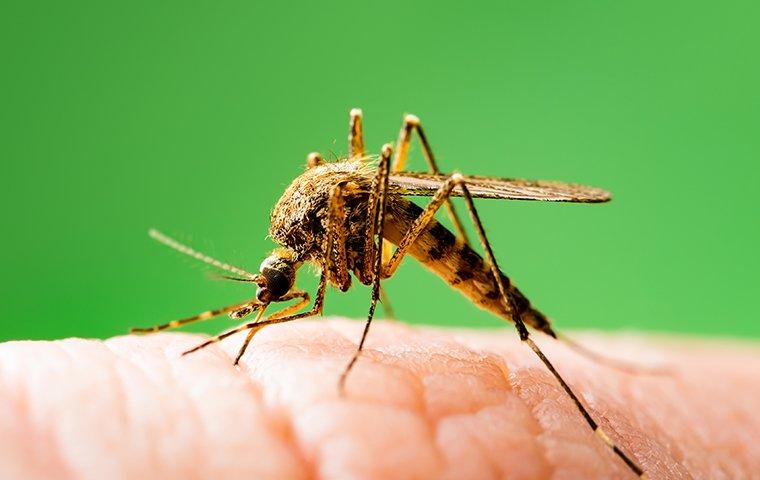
421	403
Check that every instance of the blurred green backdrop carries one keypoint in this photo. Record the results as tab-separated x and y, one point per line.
192	117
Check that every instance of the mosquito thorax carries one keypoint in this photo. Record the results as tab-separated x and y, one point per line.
299	218
279	272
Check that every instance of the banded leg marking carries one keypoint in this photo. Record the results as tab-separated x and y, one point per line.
250	304
382	176
284	316
355	134
412	123
509	302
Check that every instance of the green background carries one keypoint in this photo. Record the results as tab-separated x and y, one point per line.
192	117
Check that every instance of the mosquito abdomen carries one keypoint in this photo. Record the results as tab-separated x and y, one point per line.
438	249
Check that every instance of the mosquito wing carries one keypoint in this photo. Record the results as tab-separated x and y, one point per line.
426	184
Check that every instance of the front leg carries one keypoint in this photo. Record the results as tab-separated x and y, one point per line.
412	123
376	224
375	216
337	263
355	134
335	225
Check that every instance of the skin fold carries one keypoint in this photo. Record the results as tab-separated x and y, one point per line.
421	403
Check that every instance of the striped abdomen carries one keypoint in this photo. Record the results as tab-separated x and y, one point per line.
459	265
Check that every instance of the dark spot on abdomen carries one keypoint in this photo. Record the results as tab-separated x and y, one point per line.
463	274
443	241
470	258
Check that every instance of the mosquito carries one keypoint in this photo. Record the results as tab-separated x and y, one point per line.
345	217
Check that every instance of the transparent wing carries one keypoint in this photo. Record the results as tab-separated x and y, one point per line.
425	184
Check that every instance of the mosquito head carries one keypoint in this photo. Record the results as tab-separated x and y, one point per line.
278	274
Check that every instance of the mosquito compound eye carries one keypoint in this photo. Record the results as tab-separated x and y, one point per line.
277	284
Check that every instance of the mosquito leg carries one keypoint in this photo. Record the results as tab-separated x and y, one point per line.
412	123
355	134
315	310
304	296
314	159
509	303
378	258
249	305
376	199
337	237
304	300
502	284
419	225
250	335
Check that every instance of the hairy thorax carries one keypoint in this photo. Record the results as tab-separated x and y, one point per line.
300	217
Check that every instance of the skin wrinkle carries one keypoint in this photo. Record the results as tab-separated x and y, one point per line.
276	418
379	357
142	374
62	347
424	412
468	414
650	441
710	423
685	460
510	377
579	378
190	400
491	359
420	389
467	436
461	354
544	400
626	429
122	395
493	466
285	417
276	424
722	469
22	403
547	437
654	425
617	389
25	413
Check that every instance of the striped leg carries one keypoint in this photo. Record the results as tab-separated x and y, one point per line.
377	226
502	283
376	203
304	296
509	301
332	238
237	310
338	268
412	123
355	134
258	324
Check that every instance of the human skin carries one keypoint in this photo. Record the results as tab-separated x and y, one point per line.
421	403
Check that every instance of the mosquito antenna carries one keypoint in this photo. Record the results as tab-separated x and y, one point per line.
219	276
171	243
